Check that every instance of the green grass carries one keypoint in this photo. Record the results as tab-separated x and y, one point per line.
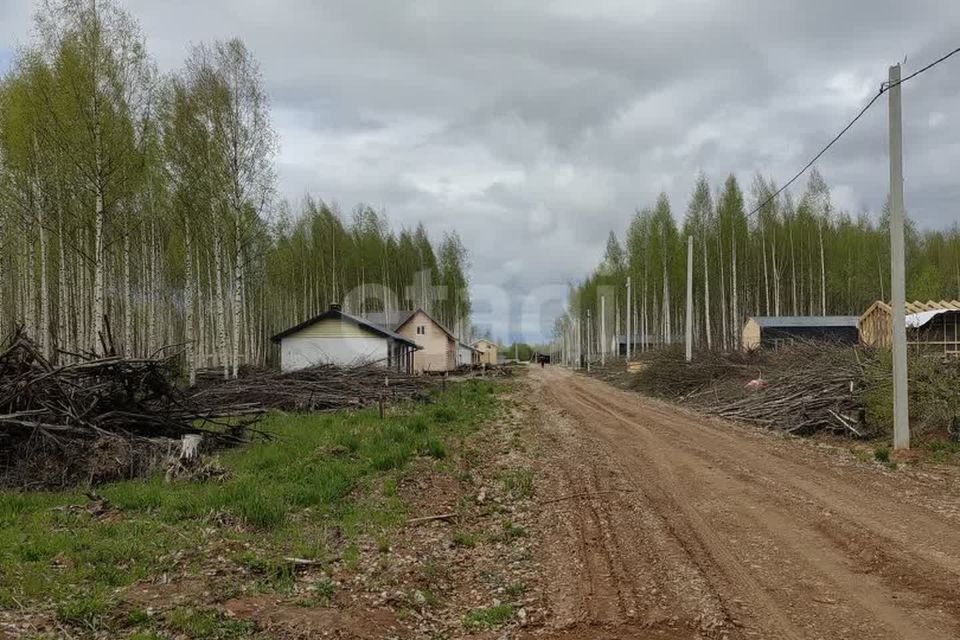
488	618
281	498
519	482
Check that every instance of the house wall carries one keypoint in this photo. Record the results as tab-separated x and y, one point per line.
438	350
773	337
876	327
331	342
464	356
750	336
488	352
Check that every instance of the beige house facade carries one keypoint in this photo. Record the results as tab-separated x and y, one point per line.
438	348
488	351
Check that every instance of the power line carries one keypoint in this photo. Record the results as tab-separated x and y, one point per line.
884	87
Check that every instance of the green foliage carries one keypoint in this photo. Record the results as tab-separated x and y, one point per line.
766	264
934	393
519	482
280	499
465	539
164	187
208	625
489	618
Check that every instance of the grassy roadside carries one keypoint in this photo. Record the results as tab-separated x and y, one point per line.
324	480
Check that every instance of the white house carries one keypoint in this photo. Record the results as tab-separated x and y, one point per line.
336	337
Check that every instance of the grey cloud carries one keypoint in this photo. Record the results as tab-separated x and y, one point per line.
533	128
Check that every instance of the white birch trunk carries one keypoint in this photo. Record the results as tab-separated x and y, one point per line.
99	265
127	298
823	272
220	306
188	331
735	300
766	279
706	295
237	301
724	327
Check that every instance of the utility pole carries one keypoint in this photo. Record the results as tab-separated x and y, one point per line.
589	339
579	341
629	313
603	330
689	335
901	415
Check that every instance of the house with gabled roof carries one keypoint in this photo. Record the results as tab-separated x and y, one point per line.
488	351
437	346
339	338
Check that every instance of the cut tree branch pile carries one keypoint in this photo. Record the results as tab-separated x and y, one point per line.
320	388
803	388
59	422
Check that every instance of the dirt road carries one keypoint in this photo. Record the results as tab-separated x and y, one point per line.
664	524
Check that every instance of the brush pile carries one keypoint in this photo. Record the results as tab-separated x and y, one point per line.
320	388
803	388
59	422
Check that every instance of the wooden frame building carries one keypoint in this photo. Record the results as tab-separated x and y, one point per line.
932	327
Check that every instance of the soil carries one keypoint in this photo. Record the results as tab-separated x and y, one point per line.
661	523
644	520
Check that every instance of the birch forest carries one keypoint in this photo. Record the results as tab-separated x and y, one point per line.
139	209
794	256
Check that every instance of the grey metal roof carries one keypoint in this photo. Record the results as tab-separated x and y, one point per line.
343	315
389	319
773	322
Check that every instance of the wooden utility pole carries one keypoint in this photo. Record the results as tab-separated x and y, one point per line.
603	330
689	336
901	415
629	313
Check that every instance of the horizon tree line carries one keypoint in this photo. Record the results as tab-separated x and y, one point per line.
795	256
140	209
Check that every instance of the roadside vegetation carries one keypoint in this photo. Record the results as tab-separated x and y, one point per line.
302	498
809	389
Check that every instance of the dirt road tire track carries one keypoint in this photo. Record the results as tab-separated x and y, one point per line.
676	526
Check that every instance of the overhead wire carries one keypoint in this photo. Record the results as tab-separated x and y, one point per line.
884	87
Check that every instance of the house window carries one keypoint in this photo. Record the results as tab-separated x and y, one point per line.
421	330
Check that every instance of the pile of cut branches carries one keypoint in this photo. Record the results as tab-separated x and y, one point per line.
803	388
58	422
320	388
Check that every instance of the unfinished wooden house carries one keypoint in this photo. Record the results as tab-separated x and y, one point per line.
932	327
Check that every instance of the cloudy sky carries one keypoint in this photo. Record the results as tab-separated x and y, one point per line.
535	127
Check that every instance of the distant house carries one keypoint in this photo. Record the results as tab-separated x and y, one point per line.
488	351
637	344
437	345
770	332
467	356
932	327
336	337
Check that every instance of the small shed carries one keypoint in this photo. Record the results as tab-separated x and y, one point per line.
638	343
488	351
932	327
336	337
771	332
